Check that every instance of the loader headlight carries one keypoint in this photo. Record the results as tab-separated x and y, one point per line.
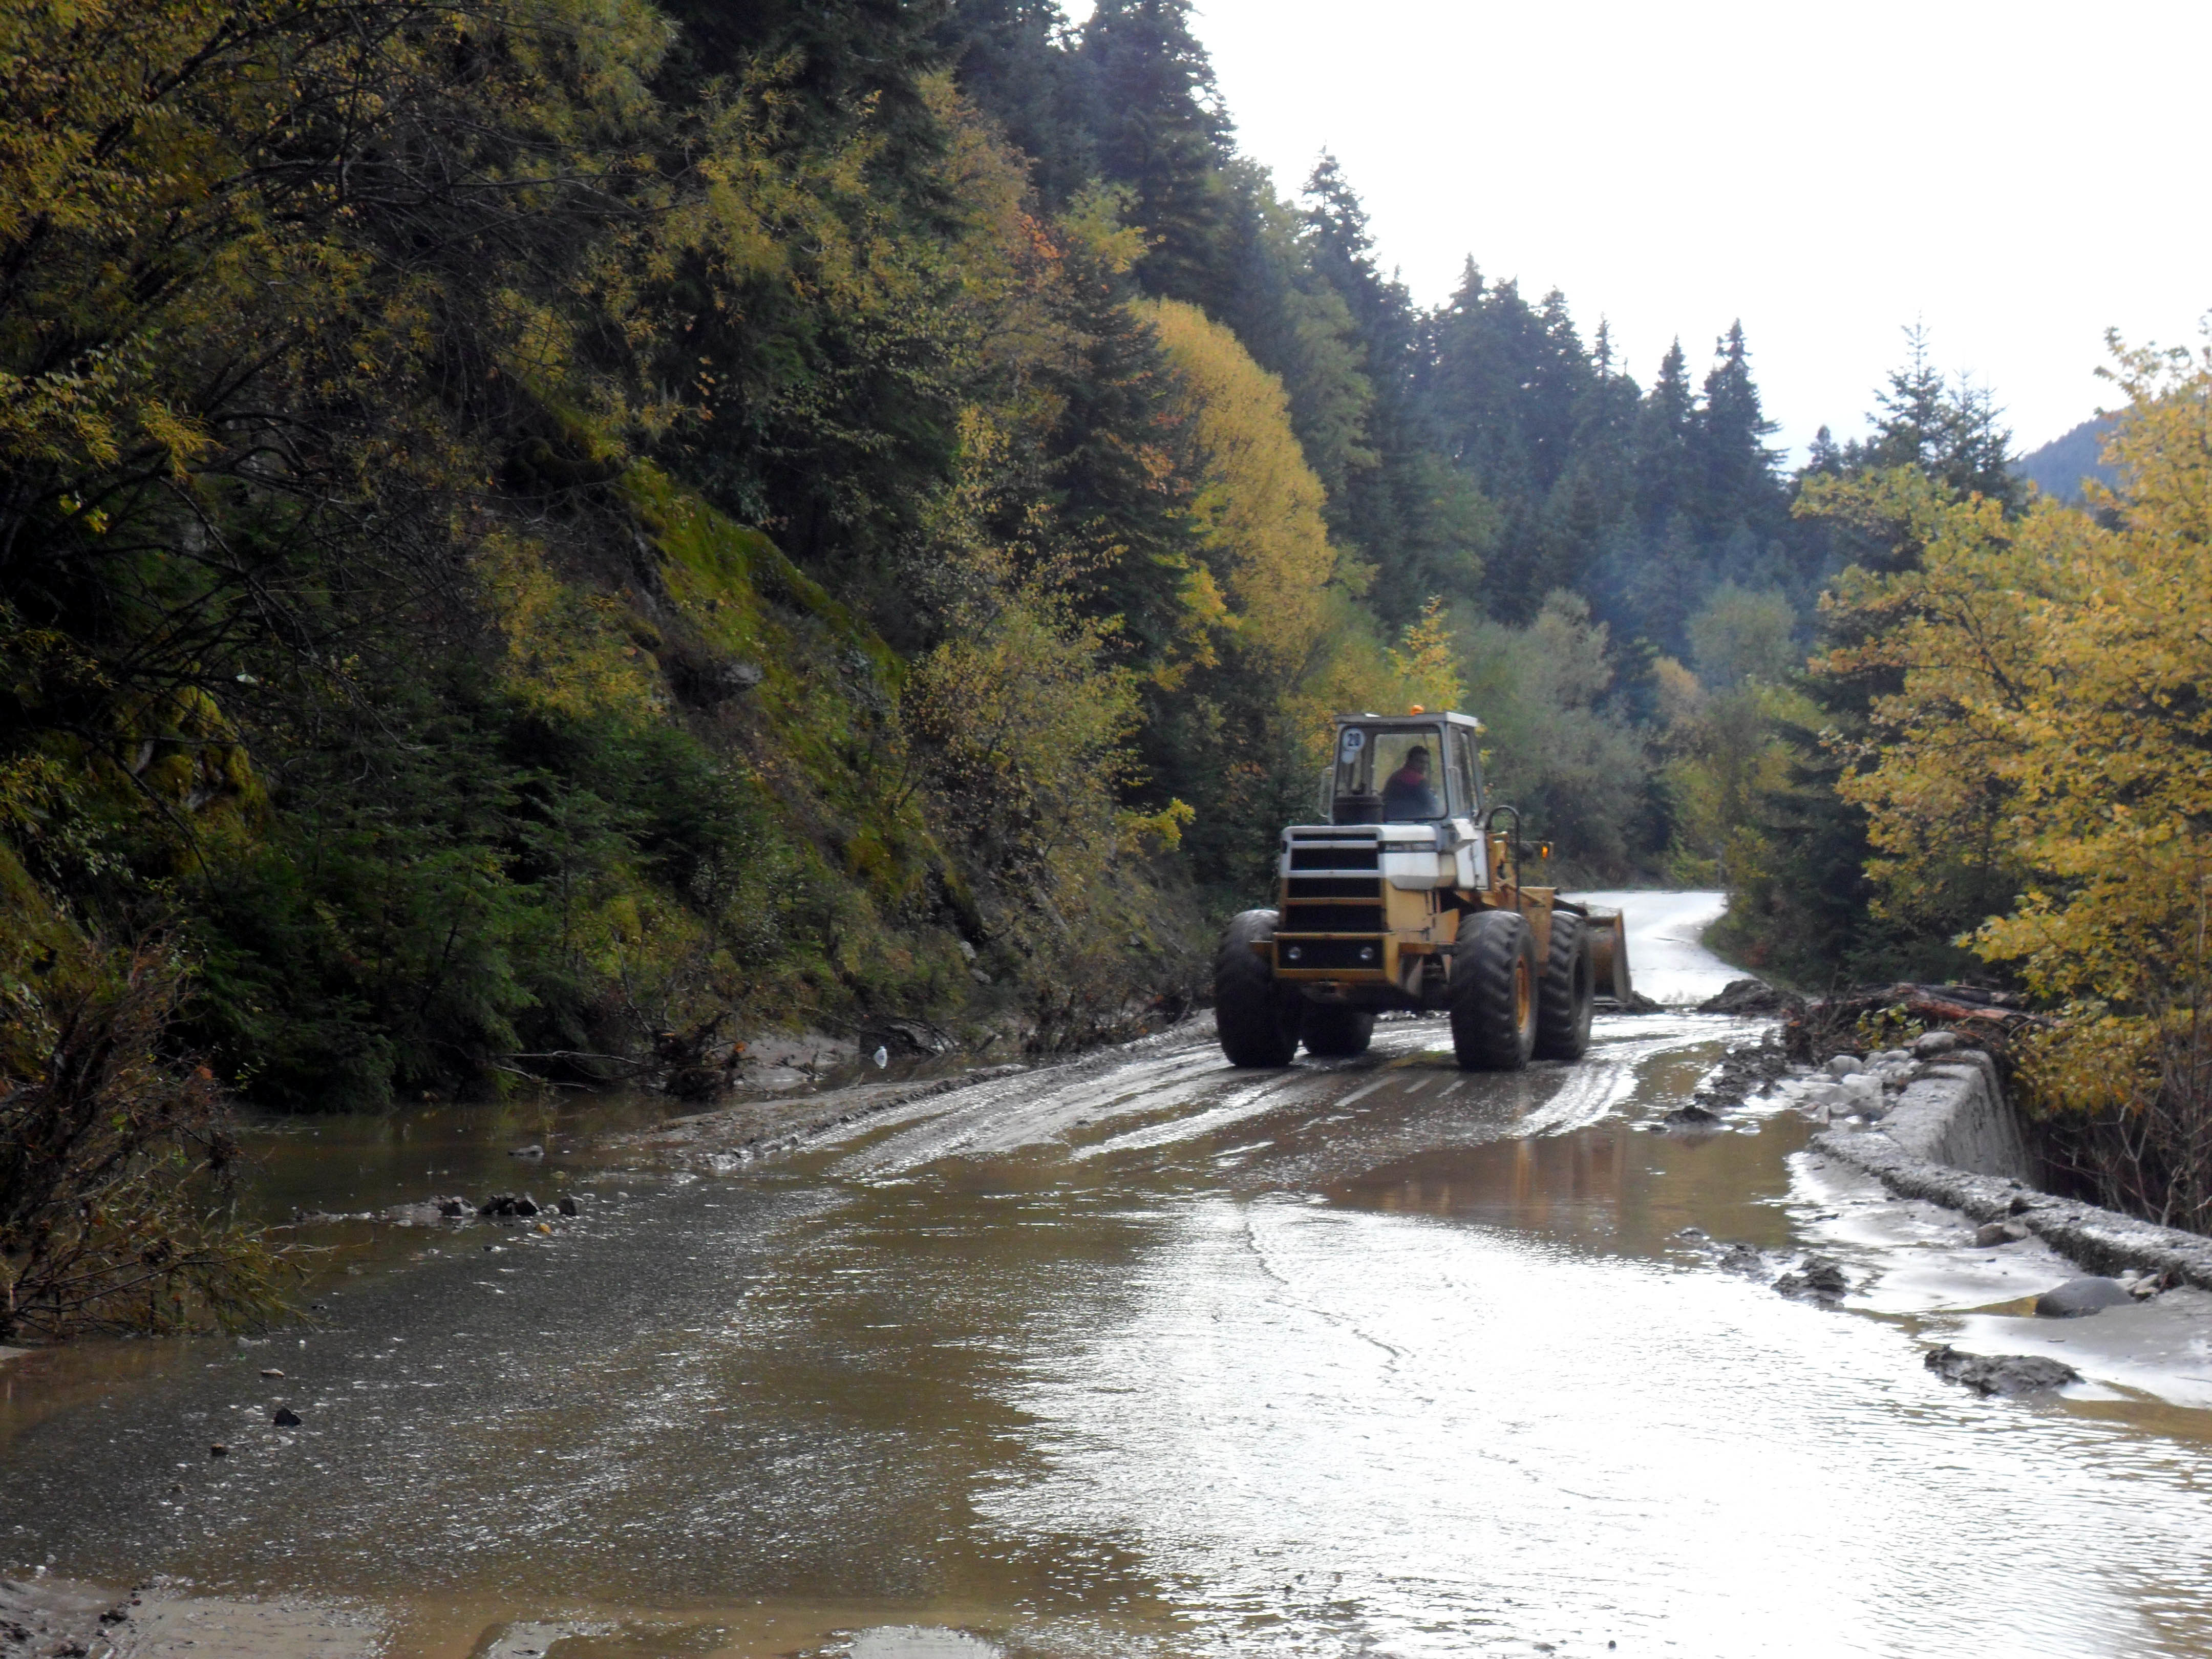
1294	953
1367	953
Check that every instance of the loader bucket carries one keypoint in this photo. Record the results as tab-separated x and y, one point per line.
1609	939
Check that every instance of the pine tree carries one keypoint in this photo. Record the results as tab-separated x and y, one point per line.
1163	131
1344	251
1120	462
1953	435
1558	384
1424	526
1296	324
1914	412
1825	455
1664	471
1485	351
1604	426
1486	348
1734	466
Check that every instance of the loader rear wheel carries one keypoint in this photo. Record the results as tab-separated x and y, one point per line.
1570	988
1337	1033
1493	992
1257	1022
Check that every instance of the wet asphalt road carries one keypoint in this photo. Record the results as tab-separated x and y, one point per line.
1146	1356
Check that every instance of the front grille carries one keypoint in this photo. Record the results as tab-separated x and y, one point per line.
1329	887
1331	919
1328	952
1342	857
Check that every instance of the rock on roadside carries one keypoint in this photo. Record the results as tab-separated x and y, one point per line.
2000	1373
2077	1299
1817	1279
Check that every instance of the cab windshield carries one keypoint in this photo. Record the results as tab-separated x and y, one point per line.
1389	775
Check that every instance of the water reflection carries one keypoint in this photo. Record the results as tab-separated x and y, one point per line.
1613	1186
350	1163
57	1382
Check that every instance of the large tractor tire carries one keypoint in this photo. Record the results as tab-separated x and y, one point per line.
1493	992
1257	1021
1337	1033
1569	989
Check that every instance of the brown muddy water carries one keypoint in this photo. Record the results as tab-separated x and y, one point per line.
1144	1355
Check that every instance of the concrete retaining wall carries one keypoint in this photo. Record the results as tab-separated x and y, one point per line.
1955	1113
1954	1139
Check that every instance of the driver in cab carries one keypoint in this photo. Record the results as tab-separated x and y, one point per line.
1406	792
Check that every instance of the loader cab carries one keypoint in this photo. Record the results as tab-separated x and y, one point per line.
1416	769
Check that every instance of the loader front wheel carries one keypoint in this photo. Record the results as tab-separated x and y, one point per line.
1493	992
1337	1033
1570	988
1257	1022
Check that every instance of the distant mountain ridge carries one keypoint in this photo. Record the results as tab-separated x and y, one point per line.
2059	468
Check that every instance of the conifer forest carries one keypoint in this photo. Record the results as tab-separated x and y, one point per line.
538	535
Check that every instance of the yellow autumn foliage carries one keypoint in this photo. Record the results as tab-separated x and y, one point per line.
2053	708
1259	500
1279	595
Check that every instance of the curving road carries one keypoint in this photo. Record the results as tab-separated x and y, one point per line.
1144	1356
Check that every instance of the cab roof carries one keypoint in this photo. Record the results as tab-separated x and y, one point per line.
1450	716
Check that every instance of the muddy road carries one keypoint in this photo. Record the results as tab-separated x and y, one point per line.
1144	1356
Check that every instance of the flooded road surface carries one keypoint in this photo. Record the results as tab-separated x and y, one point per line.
1144	1356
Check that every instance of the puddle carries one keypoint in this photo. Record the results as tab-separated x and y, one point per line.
351	1163
1609	1186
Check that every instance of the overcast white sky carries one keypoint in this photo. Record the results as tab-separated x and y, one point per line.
2018	176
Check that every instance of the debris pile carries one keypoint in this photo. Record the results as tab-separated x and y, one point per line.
1979	1017
1745	997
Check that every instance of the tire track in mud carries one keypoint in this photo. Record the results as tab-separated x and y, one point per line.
1173	1098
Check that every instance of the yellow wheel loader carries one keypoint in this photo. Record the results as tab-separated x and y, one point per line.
1411	892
